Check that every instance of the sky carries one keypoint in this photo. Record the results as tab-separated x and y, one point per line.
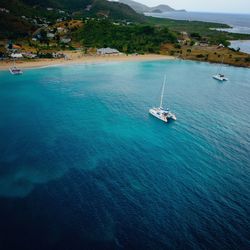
229	6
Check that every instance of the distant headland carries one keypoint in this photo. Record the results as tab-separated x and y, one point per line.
142	8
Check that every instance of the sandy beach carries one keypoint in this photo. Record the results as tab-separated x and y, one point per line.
78	57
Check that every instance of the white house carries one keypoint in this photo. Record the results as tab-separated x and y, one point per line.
221	46
16	55
58	55
29	55
50	35
4	10
60	29
88	7
65	40
107	51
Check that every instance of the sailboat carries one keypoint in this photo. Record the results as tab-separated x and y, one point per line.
160	112
219	76
14	70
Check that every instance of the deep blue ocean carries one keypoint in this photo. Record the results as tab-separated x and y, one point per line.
84	166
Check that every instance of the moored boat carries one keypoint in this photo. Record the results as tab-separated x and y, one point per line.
219	76
15	71
161	113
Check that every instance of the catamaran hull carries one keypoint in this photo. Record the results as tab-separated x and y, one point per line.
222	79
15	72
159	112
153	113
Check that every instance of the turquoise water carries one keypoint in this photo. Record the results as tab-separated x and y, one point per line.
83	165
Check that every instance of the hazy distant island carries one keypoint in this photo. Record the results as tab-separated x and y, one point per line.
43	30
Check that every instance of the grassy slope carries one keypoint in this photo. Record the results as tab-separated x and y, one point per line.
208	54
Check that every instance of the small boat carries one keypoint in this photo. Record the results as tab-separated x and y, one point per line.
14	70
219	76
161	113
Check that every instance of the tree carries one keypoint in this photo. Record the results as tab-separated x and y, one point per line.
196	36
192	43
126	38
43	36
224	42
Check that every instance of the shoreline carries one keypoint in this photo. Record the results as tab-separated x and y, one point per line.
77	58
211	54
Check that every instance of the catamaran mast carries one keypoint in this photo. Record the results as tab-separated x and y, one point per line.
162	91
220	67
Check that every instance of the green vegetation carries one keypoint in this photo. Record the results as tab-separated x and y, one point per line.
34	8
51	25
20	8
125	38
192	27
60	4
200	56
35	12
209	53
14	27
199	30
114	11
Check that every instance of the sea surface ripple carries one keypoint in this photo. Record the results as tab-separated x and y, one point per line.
84	166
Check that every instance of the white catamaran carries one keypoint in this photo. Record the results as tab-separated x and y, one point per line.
160	112
14	70
219	76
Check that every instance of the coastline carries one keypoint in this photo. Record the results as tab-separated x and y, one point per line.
244	45
207	53
78	58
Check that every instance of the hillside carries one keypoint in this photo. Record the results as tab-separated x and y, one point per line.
34	7
161	8
114	10
137	38
61	4
138	7
12	26
142	8
22	16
